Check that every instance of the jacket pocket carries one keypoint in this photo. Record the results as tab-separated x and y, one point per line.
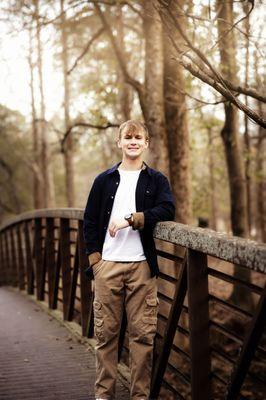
149	197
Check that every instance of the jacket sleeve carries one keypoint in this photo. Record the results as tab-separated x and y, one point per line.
91	222
164	209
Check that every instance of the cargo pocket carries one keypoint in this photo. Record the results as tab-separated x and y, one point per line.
98	321
149	319
149	329
151	306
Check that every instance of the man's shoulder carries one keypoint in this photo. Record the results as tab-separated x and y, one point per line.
157	174
102	175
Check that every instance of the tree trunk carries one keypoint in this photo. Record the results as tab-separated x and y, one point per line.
214	205
151	93
230	137
260	169
68	145
124	89
246	132
177	127
154	95
48	183
261	186
37	178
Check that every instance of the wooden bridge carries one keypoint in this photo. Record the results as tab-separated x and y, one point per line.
206	347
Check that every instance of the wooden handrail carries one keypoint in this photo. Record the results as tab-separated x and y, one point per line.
245	252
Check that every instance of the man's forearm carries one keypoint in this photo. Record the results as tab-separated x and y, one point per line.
163	212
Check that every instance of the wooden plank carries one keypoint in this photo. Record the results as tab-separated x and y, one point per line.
3	277
7	259
65	263
170	330
57	278
86	293
251	341
198	307
21	264
38	256
74	279
43	270
50	259
14	266
29	260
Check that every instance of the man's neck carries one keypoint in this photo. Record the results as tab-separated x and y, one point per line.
131	165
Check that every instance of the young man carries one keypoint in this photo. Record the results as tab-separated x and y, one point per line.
123	207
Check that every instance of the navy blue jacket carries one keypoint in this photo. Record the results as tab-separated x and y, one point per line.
153	197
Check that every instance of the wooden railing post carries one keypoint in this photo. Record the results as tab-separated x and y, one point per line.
65	263
38	254
3	269
198	308
86	293
50	259
7	259
14	264
74	278
21	264
57	277
29	260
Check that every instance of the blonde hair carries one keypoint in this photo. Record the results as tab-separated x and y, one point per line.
131	126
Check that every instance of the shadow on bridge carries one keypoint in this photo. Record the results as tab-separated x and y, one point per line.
206	347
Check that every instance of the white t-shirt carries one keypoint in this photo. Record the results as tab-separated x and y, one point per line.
126	244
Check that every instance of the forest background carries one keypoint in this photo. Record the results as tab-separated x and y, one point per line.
72	71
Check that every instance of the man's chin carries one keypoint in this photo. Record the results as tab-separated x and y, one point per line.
134	157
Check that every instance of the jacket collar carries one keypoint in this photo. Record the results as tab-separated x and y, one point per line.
115	167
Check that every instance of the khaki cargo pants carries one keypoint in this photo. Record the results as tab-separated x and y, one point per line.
119	285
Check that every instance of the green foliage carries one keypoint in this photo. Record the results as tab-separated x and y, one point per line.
15	154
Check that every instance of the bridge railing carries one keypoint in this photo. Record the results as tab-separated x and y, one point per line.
207	345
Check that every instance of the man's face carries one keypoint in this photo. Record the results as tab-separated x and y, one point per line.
132	144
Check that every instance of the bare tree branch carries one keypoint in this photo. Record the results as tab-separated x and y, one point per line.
236	88
87	125
234	25
212	77
217	86
85	50
122	63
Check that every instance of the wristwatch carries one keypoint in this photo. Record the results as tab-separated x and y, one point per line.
129	218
